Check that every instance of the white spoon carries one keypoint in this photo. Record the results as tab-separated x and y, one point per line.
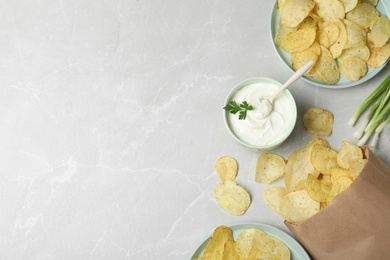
268	102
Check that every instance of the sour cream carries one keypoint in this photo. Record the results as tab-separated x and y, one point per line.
256	130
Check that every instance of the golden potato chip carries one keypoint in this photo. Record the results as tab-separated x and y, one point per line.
364	14
337	172
244	242
329	9
294	11
362	52
318	189
273	196
280	4
298	59
226	168
215	247
349	4
353	68
325	69
229	251
319	141
299	40
269	167
337	47
339	185
318	121
297	206
323	159
356	35
332	30
297	168
267	247
281	32
379	32
348	153
379	56
322	38
372	2
232	198
356	167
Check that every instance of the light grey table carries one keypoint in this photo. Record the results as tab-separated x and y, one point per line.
111	122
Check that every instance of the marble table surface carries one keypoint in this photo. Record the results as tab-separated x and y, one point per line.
111	122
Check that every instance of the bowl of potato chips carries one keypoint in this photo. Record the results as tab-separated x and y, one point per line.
347	39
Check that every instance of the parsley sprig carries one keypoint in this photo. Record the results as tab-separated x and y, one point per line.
233	108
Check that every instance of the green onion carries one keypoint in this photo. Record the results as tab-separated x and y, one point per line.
377	118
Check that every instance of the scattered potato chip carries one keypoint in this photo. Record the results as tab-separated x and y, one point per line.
232	198
297	167
353	68
294	11
215	247
318	189
269	167
318	121
379	56
364	14
299	40
226	168
319	141
379	32
273	196
298	206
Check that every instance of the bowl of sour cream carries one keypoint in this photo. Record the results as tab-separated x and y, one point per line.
255	131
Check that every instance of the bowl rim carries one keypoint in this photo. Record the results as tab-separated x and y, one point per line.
284	135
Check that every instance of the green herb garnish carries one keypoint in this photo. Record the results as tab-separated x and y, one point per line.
233	108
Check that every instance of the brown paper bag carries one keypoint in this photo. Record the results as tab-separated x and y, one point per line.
356	224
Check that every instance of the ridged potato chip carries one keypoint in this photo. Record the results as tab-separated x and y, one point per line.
353	68
216	245
364	14
269	168
379	32
233	198
298	206
318	121
226	168
379	56
294	11
273	196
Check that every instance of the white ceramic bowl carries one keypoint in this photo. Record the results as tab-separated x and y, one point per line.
281	137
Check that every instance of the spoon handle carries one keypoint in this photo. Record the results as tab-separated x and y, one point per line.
302	70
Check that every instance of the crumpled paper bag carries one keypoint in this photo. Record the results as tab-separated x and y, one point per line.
356	224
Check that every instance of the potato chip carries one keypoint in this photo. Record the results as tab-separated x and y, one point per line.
318	189
353	68
356	167
332	30
244	242
323	159
362	52
299	40
356	35
232	198
267	247
226	168
297	167
339	185
348	153
329	9
323	38
297	206
372	2
294	11
325	68
364	14
281	32
379	32
337	48
337	172
298	59
273	196
319	141
215	247
229	251
349	4
318	121
379	56
269	167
